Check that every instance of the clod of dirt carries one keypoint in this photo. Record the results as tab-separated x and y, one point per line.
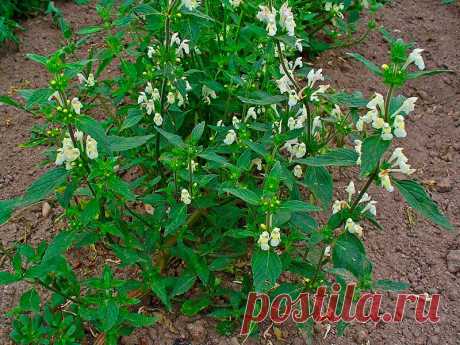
181	341
46	209
130	340
453	261
444	185
198	330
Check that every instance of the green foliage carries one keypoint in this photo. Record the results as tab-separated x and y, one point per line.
210	165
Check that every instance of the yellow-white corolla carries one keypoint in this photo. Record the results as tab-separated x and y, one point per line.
268	16
91	148
185	197
353	227
275	237
263	241
287	19
190	4
230	137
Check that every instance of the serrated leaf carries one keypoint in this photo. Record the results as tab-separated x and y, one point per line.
183	283
197	132
246	195
193	306
158	287
45	185
36	96
214	157
30	301
89	30
266	100
178	218
173	139
421	74
8	278
418	199
94	128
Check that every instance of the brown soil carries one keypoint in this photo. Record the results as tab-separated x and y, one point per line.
408	249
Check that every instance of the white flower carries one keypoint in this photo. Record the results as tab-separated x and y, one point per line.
399	127
293	98
364	198
386	181
191	4
291	123
90	81
150	106
192	165
156	94
316	124
220	123
399	161
297	171
208	94
235	3
264	238
171	97
91	148
378	123
407	107
298	45
183	48
358	145
339	205
377	102
251	113
150	52
287	19
258	163
351	190
371	208
321	90
142	98
230	137
353	228
185	197
78	136
335	9
76	105
268	16
284	84
314	76
300	150
67	154
149	88
275	237
327	251
157	119
56	96
236	122
386	132
416	58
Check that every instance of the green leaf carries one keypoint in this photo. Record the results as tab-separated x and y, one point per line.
43	60
353	100
214	157
183	283
118	144
6	209
159	288
131	121
338	157
319	181
391	285
195	262
36	96
349	254
88	30
30	301
192	307
111	312
266	268
369	65
265	100
45	185
173	139
9	101
246	195
140	320
59	245
418	199
178	218
421	74
373	148
197	132
257	148
298	206
8	278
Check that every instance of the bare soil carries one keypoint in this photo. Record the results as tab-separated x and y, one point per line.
408	249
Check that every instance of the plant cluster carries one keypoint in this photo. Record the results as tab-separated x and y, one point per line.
230	141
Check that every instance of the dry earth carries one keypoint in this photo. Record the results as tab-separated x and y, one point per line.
409	248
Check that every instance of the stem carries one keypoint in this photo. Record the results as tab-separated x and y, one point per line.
387	102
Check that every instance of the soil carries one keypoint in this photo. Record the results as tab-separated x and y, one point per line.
408	249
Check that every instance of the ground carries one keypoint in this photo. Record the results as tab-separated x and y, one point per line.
408	249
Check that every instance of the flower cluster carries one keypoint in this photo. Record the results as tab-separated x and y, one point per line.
68	153
267	239
398	164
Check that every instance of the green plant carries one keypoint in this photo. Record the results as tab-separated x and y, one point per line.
232	142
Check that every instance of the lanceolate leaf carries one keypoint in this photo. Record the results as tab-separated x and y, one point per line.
337	157
369	64
94	128
118	144
298	206
266	100
421	74
45	185
173	139
418	199
244	194
373	148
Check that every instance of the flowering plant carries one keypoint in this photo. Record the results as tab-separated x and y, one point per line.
205	162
